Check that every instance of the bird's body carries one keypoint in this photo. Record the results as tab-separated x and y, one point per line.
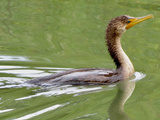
96	76
88	76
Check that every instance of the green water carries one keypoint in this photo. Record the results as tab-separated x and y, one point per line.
39	37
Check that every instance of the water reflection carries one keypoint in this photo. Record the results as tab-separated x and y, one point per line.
116	109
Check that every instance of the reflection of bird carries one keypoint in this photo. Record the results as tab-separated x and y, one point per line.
116	109
125	69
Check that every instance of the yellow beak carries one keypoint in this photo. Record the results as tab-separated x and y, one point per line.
134	21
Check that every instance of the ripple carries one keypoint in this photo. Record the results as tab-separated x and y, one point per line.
26	117
7	110
13	58
11	67
138	76
66	89
26	73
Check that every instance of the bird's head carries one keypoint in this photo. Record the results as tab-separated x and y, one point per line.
120	24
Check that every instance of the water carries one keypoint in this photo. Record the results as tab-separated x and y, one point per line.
38	38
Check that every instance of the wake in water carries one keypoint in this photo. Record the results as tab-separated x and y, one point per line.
23	74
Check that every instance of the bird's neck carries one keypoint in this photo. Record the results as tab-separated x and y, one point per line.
122	61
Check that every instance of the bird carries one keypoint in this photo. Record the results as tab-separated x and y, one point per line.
100	76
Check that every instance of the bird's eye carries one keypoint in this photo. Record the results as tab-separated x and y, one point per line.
128	21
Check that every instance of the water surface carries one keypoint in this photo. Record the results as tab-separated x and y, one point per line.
38	38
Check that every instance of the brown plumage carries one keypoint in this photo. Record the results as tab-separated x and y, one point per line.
94	76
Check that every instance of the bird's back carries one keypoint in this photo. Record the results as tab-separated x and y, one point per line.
88	76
